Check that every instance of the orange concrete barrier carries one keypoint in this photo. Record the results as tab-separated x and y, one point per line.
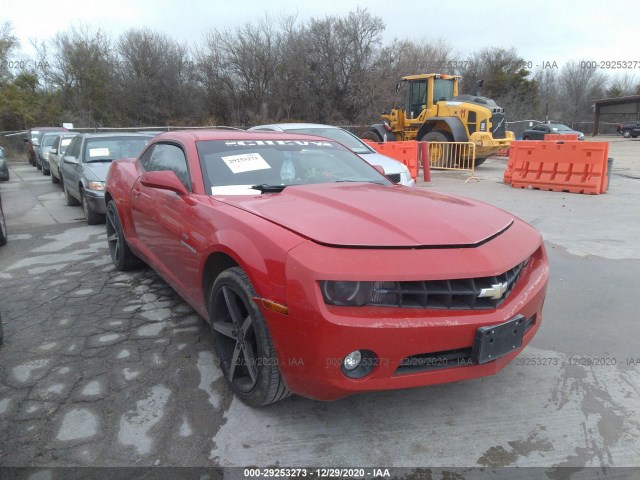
561	136
405	152
576	167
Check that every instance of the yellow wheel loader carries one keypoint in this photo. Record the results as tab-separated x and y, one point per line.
435	112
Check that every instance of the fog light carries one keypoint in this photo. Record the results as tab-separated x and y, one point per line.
352	360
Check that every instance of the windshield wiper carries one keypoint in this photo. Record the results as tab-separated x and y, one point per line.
359	180
99	160
264	188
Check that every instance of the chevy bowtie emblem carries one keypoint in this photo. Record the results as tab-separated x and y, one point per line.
496	291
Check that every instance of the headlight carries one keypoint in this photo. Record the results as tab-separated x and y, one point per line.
353	294
95	186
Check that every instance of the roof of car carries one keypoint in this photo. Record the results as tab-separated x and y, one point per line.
116	134
293	126
222	134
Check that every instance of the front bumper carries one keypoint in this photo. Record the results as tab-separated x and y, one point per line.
95	199
313	339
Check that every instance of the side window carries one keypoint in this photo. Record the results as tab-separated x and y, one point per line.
74	148
56	144
166	156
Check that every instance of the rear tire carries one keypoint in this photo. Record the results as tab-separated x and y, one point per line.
526	138
479	161
372	136
626	133
38	165
242	341
121	255
3	228
70	199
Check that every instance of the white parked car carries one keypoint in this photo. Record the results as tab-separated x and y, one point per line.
394	170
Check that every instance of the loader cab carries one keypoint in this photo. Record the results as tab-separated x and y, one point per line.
422	92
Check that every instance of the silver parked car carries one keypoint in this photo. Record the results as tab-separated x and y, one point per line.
42	152
394	170
86	162
57	152
4	168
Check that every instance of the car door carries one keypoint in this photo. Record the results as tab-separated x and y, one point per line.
53	155
163	219
71	171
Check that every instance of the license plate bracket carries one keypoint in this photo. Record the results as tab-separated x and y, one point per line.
497	341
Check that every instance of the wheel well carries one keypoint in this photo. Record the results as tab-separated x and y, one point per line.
216	264
107	198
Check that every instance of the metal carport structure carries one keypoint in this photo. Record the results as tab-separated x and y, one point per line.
618	110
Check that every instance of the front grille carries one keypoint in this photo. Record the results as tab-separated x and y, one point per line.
460	357
498	125
459	294
394	177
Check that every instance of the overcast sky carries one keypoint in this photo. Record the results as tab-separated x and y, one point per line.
540	30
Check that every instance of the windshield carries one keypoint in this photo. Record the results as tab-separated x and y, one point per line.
234	166
64	143
442	89
47	140
111	148
337	134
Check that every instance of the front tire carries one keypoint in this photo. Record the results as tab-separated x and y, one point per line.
92	217
438	154
242	341
479	161
626	133
372	136
54	179
121	255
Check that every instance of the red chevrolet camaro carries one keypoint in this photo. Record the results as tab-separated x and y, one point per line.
318	275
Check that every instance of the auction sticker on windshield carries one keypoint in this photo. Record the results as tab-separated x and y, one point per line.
98	152
247	162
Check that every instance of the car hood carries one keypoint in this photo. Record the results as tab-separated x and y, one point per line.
97	169
370	215
389	164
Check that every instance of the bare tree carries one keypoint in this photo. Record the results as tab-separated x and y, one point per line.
8	43
83	72
153	76
622	85
578	88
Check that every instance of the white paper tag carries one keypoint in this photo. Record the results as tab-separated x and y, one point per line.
98	152
247	162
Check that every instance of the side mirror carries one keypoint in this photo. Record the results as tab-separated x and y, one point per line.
70	160
53	151
379	168
164	180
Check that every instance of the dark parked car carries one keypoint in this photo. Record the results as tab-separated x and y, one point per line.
84	167
4	168
34	135
539	131
629	130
